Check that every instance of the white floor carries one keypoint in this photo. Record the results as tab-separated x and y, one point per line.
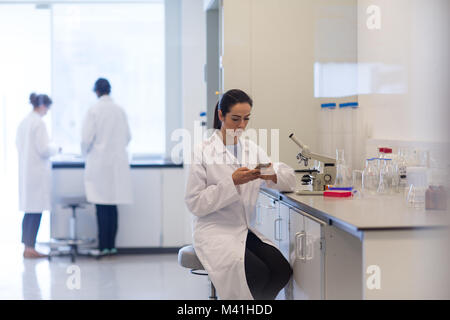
152	276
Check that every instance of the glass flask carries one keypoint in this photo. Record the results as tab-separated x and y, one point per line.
371	177
342	170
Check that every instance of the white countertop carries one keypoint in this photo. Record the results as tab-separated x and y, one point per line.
371	212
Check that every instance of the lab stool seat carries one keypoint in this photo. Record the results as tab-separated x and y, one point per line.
72	241
187	258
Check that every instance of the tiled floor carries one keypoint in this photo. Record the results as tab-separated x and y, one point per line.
152	276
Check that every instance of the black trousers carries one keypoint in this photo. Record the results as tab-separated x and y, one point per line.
30	228
107	220
266	269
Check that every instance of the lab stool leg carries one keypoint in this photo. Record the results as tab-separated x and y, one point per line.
212	291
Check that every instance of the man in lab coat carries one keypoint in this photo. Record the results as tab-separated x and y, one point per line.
107	179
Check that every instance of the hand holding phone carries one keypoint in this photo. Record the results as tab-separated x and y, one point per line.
263	165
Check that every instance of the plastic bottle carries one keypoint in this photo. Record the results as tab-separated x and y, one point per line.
327	113
381	153
384	181
347	110
401	170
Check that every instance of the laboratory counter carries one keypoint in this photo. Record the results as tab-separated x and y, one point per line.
371	248
369	213
77	162
150	222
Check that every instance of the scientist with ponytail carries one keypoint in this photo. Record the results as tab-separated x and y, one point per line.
222	190
34	151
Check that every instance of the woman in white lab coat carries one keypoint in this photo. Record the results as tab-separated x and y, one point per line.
222	192
34	150
107	177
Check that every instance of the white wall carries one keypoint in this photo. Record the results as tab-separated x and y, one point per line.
408	98
402	78
270	48
193	85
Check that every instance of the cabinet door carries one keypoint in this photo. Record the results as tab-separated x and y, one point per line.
306	257
282	236
266	214
282	230
297	235
312	275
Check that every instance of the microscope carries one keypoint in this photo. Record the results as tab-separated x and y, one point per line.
317	178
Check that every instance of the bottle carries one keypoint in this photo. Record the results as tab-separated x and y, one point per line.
326	128
381	153
401	170
393	176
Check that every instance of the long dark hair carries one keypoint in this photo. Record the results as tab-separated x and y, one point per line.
40	99
228	100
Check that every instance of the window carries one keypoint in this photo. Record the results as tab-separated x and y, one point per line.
61	49
123	43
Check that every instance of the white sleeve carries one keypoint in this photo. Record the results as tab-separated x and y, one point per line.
87	133
45	148
201	199
285	178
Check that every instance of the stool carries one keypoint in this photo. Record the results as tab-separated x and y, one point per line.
73	242
188	258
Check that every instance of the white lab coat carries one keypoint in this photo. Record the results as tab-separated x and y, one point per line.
105	137
34	150
223	212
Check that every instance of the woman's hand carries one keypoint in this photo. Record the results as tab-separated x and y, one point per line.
244	175
271	177
269	174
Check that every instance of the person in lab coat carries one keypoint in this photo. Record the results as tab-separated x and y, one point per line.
221	193
107	178
34	150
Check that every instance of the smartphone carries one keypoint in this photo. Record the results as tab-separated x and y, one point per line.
263	165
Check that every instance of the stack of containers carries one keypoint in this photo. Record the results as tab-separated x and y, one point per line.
342	128
326	129
349	122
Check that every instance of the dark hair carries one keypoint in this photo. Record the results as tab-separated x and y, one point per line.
228	100
40	99
102	86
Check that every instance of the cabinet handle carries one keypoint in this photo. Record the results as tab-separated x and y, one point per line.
275	228
267	207
299	247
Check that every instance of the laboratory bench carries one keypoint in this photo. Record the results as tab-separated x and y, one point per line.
150	224
370	248
77	162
